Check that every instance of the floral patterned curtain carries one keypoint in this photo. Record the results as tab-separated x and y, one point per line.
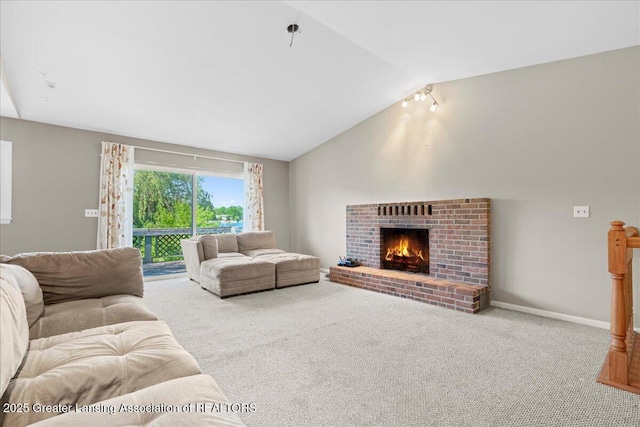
253	204
115	222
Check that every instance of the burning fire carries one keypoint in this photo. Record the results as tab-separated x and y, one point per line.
402	249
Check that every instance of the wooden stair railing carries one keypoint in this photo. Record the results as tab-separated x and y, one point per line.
621	368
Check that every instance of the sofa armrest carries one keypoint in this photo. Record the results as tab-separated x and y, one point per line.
193	257
68	276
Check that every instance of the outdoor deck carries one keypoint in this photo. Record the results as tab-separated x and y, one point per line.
163	268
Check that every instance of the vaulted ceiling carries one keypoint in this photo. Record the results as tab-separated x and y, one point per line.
221	75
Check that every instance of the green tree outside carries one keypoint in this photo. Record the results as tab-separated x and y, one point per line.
163	200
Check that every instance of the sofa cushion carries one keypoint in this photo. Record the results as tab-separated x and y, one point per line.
67	276
209	245
93	365
236	275
189	401
231	255
73	316
235	268
31	292
227	242
256	240
259	252
14	329
289	261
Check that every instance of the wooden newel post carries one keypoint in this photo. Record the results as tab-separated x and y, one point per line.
618	359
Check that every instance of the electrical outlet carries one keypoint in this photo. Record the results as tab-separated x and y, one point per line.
581	211
91	213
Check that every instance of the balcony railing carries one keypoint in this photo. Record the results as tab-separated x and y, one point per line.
163	244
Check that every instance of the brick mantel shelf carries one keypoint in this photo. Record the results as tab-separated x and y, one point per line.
459	246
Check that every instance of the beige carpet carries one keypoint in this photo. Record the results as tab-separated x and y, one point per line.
330	355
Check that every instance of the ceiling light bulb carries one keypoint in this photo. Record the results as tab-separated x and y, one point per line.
417	97
423	96
404	104
434	106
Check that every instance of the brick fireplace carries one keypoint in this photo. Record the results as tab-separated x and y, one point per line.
457	253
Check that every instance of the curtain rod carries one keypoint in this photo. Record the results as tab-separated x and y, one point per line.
186	154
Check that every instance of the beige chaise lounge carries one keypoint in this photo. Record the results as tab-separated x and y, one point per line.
229	264
93	342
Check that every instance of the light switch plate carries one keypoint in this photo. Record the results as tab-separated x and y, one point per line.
581	211
91	213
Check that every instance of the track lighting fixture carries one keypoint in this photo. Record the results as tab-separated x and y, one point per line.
422	95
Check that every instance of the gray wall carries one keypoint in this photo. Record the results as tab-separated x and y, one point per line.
537	140
56	177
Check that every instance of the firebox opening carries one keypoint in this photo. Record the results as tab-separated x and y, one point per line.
405	249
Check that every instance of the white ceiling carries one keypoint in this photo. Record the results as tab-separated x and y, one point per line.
7	106
221	75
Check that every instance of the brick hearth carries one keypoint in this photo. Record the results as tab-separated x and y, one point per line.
459	246
445	293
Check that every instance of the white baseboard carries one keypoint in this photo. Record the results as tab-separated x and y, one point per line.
552	314
324	270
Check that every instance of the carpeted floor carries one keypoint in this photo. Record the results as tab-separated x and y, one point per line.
330	355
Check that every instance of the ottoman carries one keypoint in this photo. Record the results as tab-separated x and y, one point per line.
236	275
293	269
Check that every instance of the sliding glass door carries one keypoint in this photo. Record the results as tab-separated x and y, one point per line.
166	210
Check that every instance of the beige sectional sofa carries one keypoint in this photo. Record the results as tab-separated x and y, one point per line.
232	264
79	347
